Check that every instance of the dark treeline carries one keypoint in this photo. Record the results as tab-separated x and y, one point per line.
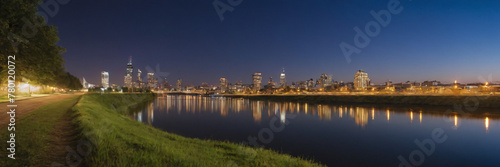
25	34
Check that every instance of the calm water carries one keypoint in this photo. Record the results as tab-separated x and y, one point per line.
335	135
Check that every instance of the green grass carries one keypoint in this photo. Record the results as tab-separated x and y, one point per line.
33	133
121	141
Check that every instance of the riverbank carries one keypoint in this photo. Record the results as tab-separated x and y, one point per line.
119	141
483	101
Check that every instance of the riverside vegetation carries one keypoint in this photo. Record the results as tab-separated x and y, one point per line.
121	141
110	138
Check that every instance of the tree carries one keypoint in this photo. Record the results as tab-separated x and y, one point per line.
25	34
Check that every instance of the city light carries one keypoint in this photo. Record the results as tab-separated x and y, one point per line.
411	116
373	113
420	116
388	115
456	121
486	123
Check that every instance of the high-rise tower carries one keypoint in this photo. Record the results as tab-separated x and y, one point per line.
105	79
128	75
361	80
139	79
282	78
257	81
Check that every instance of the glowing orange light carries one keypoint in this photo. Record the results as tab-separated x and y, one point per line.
388	115
373	114
420	117
411	116
456	120
487	123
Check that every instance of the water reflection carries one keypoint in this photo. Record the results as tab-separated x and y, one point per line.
486	123
324	131
226	106
411	116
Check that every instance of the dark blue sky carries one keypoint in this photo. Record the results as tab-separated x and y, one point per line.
429	40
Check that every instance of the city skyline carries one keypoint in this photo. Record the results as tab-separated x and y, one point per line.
420	43
360	82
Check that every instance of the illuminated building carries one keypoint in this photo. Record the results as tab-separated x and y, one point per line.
361	80
104	79
128	75
139	79
152	81
310	83
324	81
270	84
223	84
178	84
282	78
257	81
239	86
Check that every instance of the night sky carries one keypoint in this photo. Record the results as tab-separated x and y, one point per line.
442	40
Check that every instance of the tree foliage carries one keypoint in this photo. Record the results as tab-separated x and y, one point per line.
25	34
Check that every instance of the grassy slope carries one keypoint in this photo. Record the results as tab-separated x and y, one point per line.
33	133
121	141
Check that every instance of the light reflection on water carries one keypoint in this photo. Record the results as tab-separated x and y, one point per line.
222	105
321	129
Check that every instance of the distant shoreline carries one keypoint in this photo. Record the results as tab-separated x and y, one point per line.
483	101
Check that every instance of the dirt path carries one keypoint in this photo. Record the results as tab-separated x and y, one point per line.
26	106
65	138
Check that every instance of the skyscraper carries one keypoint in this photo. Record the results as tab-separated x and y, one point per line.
105	79
361	80
282	78
139	79
128	75
257	81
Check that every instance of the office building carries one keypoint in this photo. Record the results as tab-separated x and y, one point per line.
104	79
282	78
361	80
128	76
257	81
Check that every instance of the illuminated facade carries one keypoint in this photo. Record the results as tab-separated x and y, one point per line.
105	79
282	78
361	80
178	84
257	81
128	76
325	80
152	81
223	84
139	79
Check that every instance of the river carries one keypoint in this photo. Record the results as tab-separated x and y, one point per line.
336	135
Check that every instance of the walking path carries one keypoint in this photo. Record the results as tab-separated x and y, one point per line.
28	105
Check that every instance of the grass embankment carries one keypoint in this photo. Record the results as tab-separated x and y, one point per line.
483	101
34	134
120	141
